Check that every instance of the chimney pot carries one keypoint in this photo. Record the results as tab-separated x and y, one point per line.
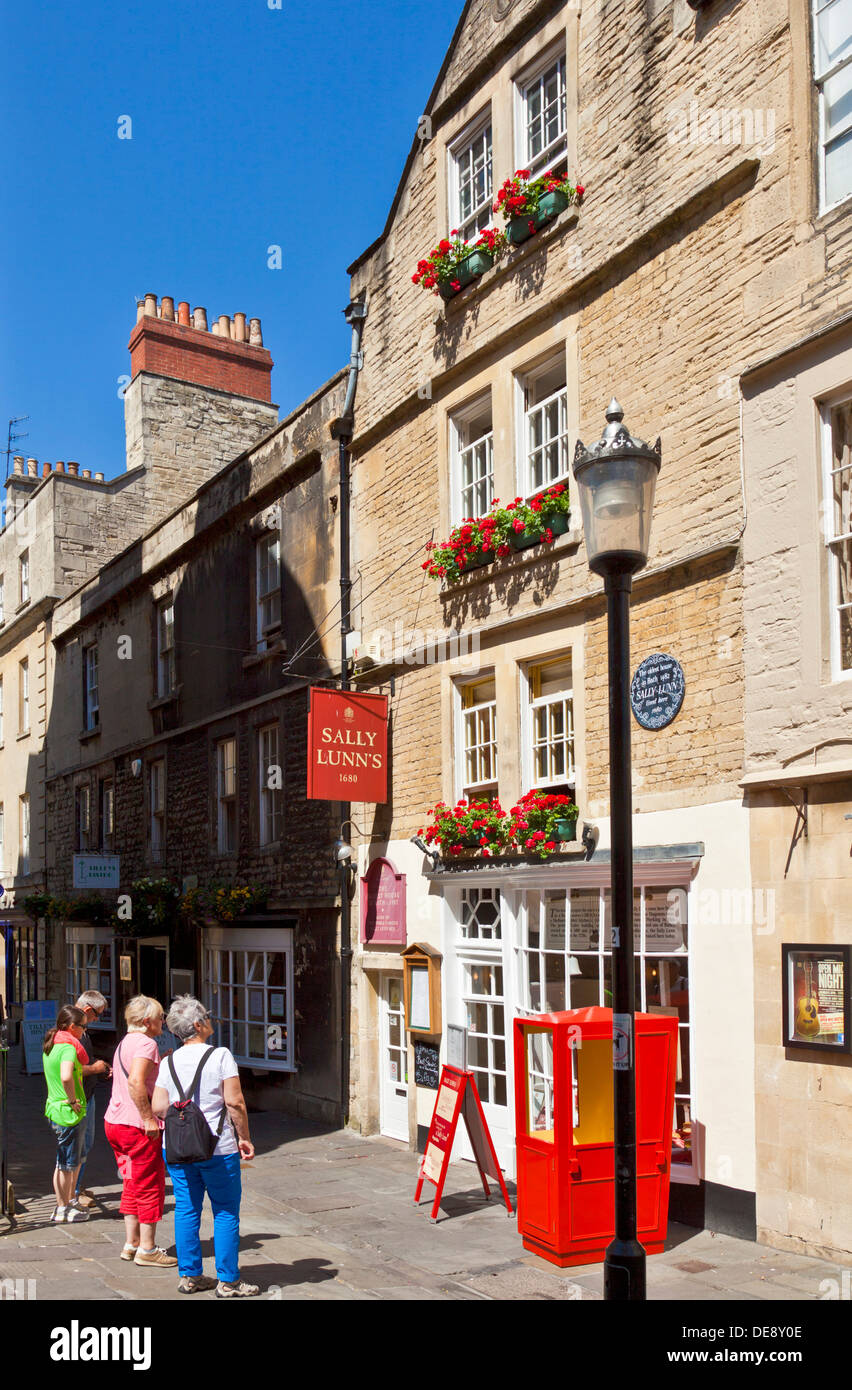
32	467
200	319
73	469
151	305
183	313
215	329
99	477
224	326
87	473
240	327
255	335
45	469
140	310
168	308
59	467
19	463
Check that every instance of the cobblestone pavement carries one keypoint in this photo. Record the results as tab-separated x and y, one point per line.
328	1214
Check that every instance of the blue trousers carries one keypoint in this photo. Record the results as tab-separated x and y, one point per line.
220	1178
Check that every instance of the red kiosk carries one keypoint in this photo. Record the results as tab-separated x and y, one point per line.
564	1129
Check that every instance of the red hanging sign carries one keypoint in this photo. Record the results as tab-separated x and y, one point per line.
383	904
347	746
457	1095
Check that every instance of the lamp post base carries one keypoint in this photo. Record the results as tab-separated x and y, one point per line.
624	1272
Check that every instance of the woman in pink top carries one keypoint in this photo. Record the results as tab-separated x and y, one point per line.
134	1132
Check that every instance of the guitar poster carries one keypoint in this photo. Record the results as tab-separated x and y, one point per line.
816	997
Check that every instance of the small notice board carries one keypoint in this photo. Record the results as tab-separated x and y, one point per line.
457	1095
39	1015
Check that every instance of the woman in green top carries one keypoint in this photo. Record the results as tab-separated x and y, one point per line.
66	1107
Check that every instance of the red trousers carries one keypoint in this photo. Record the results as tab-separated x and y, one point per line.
139	1157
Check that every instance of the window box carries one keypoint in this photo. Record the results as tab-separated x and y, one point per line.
467	270
520	229
536	535
565	830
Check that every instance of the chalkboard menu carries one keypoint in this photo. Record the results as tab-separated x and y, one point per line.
427	1068
657	690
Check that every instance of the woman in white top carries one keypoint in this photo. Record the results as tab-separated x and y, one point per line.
218	1088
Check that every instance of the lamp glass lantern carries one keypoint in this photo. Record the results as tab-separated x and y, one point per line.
616	480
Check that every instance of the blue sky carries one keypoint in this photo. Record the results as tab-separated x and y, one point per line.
251	127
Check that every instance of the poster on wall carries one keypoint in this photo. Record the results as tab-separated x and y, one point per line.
816	1003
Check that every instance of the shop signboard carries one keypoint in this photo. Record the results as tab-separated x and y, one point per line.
96	870
383	905
457	1096
347	746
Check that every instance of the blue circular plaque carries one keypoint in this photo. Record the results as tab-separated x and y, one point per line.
657	690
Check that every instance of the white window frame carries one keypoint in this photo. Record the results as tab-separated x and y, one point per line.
831	541
524	412
821	77
166	657
245	939
556	153
480	448
91	704
225	799
77	939
24	696
268	594
530	704
270	799
479	133
157	810
24	834
487	709
24	574
2	600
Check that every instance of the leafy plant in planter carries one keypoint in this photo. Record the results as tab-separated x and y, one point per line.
467	825
38	905
453	264
480	540
154	903
229	901
541	821
527	203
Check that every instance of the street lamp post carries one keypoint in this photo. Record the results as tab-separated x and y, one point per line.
616	478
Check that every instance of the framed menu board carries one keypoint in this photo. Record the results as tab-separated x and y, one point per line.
816	1002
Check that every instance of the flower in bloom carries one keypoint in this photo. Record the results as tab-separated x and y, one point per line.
415	279
580	190
444	246
456	285
517	524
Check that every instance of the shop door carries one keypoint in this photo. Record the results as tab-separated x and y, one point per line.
393	1063
154	972
487	1015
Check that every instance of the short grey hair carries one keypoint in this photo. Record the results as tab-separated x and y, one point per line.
92	999
185	1013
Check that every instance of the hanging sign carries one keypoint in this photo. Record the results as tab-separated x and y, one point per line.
383	905
347	746
657	691
457	1095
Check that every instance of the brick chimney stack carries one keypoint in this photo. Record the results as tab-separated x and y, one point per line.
197	397
223	361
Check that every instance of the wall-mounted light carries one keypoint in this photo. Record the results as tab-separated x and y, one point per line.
433	854
136	766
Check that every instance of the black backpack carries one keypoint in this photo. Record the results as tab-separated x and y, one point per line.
189	1138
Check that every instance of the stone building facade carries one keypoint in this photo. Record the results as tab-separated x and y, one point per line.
698	250
193	771
62	523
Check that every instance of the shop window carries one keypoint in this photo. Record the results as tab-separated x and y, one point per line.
477	772
838	536
472	442
833	76
566	963
249	991
89	964
472	181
